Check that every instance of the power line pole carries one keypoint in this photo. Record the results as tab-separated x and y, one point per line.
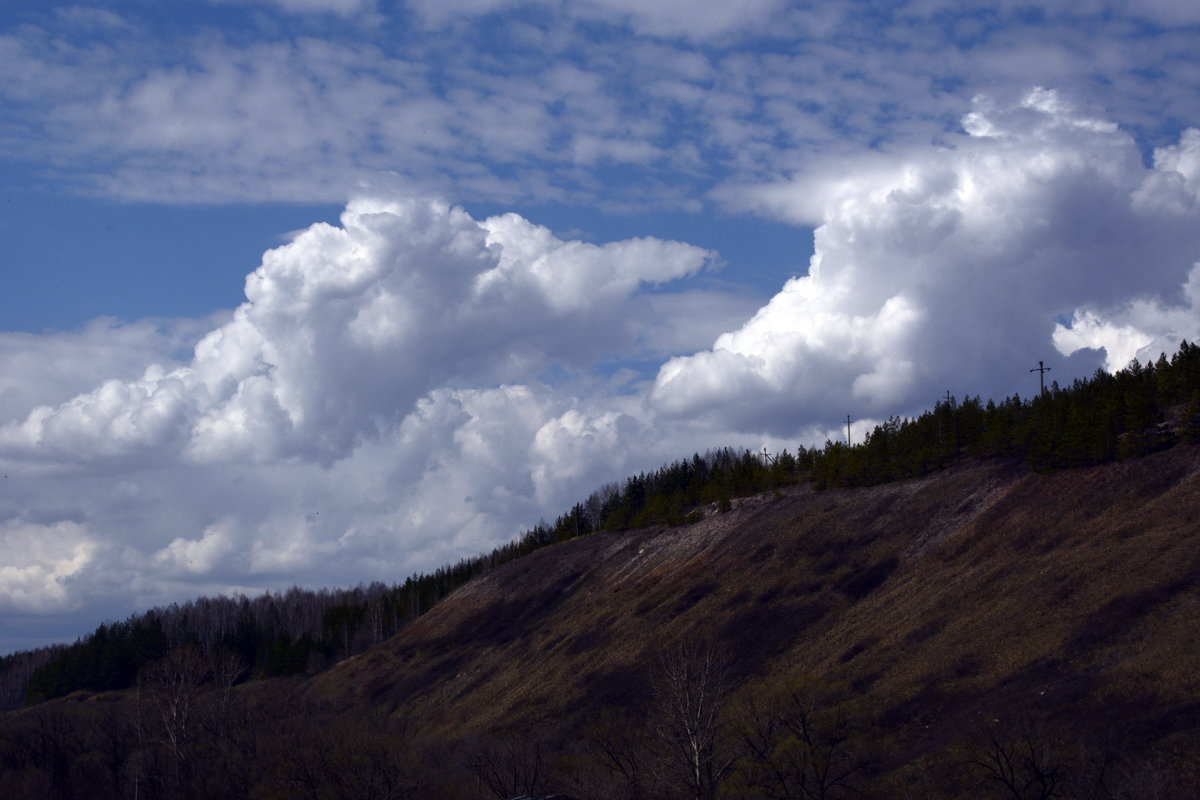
1041	369
848	442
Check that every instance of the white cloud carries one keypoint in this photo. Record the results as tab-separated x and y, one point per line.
574	447
1182	160
92	19
38	564
396	392
346	327
199	556
50	368
1087	331
574	276
532	106
339	7
1165	12
697	20
947	268
1143	328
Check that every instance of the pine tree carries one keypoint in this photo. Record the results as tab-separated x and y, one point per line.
1189	423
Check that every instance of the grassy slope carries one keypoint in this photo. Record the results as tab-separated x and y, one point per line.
973	594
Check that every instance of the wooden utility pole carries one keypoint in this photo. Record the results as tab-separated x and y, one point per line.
1041	369
848	442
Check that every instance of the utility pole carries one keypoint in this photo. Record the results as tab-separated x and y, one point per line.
848	442
1041	369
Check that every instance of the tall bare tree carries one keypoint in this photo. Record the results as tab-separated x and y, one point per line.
172	687
513	765
693	686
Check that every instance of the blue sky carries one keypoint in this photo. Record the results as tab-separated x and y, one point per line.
323	291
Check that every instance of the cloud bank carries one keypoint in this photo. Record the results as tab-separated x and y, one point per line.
397	391
345	328
414	385
958	268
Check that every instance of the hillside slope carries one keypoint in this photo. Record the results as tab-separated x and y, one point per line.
980	592
931	631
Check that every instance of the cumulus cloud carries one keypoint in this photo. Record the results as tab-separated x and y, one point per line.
50	368
345	328
1142	328
199	556
950	267
39	562
396	391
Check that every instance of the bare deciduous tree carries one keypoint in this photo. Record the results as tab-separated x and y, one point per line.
693	685
618	744
800	746
512	766
172	687
1021	764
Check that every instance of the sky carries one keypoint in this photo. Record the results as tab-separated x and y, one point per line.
319	292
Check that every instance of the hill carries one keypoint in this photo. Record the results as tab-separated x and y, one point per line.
1139	410
982	631
938	606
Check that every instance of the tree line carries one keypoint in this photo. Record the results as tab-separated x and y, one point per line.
274	634
1130	413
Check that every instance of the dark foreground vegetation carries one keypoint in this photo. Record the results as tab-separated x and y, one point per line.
212	701
186	734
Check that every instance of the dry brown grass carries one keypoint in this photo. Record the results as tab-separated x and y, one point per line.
979	592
